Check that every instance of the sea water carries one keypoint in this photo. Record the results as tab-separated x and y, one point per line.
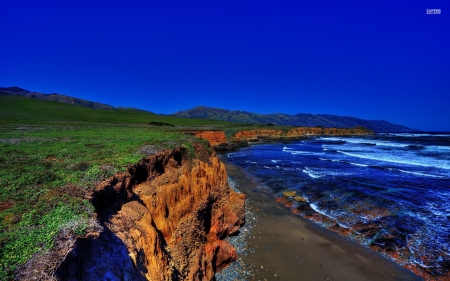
390	192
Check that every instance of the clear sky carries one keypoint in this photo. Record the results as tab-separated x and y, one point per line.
369	59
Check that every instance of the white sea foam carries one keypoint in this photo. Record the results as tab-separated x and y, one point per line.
317	209
435	209
311	173
300	152
392	159
275	161
361	165
421	174
438	147
286	148
367	141
420	135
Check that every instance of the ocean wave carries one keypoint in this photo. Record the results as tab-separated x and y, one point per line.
390	159
438	147
345	162
369	142
311	173
357	164
300	152
318	210
421	174
437	210
419	135
415	147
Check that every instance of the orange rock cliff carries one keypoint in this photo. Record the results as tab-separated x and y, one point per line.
164	219
218	141
299	132
213	137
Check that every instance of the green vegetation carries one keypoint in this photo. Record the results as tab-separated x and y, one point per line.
40	165
16	109
160	124
52	155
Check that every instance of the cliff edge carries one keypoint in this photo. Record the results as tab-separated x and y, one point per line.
163	219
242	138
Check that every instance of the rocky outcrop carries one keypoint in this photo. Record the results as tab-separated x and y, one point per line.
213	137
298	132
230	145
218	141
164	219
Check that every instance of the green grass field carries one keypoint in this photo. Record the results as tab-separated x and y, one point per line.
15	109
49	149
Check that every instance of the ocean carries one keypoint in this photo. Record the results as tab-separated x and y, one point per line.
389	192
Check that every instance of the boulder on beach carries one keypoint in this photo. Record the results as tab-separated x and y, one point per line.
289	193
299	199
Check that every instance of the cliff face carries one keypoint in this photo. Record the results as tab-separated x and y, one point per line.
214	137
164	219
299	132
218	141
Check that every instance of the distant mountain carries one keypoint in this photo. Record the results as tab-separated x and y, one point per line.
16	91
301	119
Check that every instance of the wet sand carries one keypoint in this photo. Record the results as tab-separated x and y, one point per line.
289	247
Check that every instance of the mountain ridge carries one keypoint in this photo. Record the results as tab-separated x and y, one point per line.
300	119
203	112
17	91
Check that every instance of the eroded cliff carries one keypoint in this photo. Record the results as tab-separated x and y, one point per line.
297	132
214	137
164	219
219	142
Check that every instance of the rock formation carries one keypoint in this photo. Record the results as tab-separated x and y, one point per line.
218	141
298	132
214	137
164	219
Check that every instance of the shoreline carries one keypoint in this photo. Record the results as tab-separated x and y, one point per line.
284	246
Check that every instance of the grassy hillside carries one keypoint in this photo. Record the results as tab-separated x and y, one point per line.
16	109
51	157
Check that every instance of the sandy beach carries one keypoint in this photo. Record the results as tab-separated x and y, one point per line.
288	247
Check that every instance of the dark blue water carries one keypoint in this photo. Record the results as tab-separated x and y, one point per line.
391	191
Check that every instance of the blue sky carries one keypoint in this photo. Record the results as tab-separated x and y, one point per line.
368	59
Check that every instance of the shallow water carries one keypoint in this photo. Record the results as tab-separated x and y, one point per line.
390	192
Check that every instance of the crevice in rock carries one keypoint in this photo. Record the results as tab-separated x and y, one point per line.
99	257
156	218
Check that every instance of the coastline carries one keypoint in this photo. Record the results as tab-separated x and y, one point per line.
284	246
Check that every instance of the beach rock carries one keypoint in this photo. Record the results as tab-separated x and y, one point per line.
289	193
304	209
299	199
285	201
